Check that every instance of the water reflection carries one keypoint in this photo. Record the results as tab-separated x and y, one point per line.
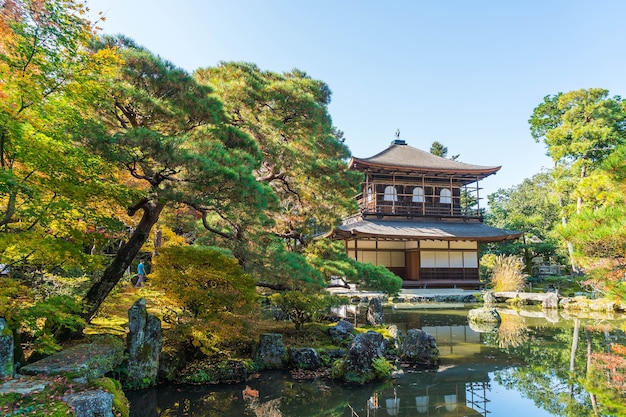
530	365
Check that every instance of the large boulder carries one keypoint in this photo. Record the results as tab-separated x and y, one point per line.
375	315
358	364
483	315
6	350
418	347
95	403
84	361
304	358
144	342
272	351
341	331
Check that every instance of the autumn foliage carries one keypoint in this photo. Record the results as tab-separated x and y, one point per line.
213	295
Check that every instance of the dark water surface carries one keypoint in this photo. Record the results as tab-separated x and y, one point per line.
531	366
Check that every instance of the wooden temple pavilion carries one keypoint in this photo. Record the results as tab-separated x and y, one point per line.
420	217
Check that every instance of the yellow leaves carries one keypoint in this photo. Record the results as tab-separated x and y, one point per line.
508	274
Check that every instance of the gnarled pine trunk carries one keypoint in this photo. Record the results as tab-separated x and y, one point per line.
124	257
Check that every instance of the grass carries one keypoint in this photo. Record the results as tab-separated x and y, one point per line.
112	318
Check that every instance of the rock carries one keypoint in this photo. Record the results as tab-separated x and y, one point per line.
483	315
304	358
90	360
394	332
334	354
484	327
395	335
6	350
551	301
23	387
272	351
489	299
365	347
341	331
95	403
418	347
375	316
230	371
144	342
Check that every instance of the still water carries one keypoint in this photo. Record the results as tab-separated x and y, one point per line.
532	365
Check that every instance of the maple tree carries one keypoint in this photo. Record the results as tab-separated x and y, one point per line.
50	186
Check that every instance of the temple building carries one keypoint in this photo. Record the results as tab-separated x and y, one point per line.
420	217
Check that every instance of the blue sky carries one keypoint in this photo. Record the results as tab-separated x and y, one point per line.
465	73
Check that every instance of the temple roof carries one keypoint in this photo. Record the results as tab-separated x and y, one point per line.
417	229
402	157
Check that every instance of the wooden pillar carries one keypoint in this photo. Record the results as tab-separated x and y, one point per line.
423	196
395	196
477	198
451	198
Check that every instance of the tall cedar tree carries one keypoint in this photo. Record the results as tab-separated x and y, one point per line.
167	132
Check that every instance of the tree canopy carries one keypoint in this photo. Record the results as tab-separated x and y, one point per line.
304	156
163	130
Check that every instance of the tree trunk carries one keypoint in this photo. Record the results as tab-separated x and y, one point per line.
570	246
592	397
572	356
123	258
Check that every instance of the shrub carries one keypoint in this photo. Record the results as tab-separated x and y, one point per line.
299	306
508	274
382	367
379	278
215	298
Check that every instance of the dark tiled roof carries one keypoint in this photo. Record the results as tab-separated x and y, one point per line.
405	156
427	229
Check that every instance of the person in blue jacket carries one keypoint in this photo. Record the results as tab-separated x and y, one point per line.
141	272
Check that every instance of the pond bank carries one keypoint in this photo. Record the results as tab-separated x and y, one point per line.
411	295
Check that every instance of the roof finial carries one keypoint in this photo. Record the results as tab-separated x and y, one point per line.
397	133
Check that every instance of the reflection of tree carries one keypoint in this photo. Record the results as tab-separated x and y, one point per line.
513	331
606	381
546	388
265	409
557	374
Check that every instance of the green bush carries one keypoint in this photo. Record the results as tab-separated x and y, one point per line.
299	306
382	368
42	323
215	300
378	278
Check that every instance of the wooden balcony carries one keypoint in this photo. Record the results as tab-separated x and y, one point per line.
407	208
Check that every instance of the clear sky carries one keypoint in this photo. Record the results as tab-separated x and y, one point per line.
465	73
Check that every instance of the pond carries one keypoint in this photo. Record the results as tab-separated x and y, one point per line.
532	365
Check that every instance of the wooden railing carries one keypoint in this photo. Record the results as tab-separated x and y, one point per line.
424	209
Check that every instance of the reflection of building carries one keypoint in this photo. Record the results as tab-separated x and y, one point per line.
449	398
460	386
455	340
420	217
